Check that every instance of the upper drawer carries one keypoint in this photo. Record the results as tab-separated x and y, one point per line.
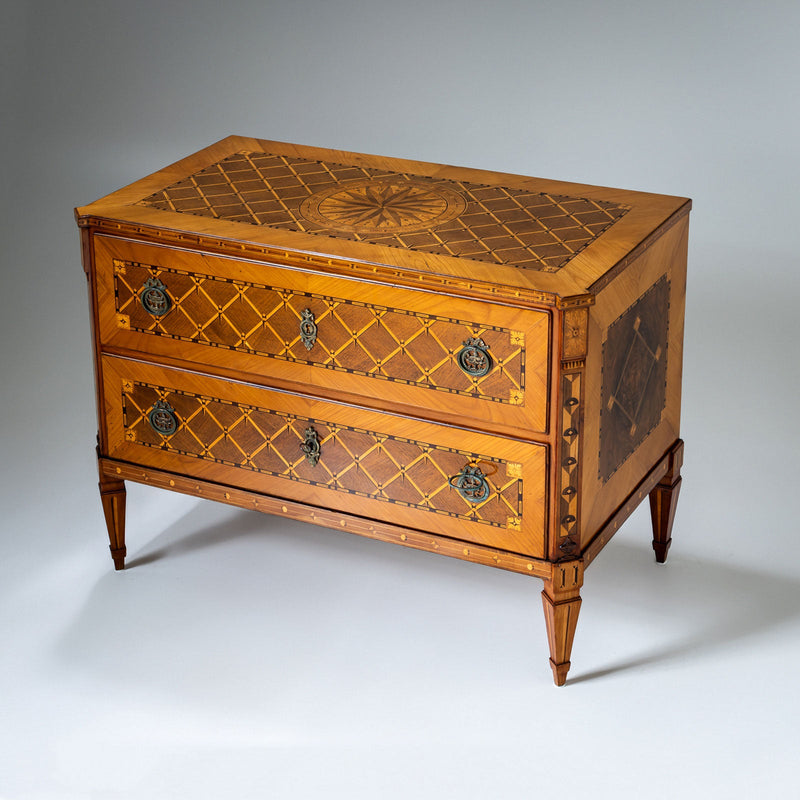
400	347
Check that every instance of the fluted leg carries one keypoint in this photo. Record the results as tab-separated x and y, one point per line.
663	501
112	495
562	602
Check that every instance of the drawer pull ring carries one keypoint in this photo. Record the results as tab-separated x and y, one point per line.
310	446
474	359
308	329
471	484
154	297
162	418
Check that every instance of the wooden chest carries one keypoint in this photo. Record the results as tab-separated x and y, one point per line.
477	364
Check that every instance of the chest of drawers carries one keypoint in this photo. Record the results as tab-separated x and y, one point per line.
481	365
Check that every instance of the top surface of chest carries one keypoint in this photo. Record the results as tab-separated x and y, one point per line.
385	216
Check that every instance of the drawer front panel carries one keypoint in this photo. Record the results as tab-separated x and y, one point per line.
482	361
473	487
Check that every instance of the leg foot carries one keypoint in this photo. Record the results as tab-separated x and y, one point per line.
112	495
562	602
663	501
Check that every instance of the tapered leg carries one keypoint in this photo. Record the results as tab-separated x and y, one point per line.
663	501
112	494
562	602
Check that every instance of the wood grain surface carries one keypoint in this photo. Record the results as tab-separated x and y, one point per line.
373	464
395	347
477	364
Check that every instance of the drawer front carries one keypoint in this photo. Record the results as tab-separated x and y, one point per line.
448	355
473	487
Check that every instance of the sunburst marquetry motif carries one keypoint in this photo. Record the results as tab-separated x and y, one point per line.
384	205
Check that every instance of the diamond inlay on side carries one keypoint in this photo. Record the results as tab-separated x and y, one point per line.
634	376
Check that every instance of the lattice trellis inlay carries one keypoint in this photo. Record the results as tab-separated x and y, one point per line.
634	392
495	224
365	339
354	460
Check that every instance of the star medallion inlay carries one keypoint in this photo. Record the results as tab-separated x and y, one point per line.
391	205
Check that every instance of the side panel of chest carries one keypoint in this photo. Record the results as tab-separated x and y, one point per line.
633	376
441	357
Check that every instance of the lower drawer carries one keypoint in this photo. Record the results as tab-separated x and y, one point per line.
466	485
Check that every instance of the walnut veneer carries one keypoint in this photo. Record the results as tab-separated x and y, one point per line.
482	365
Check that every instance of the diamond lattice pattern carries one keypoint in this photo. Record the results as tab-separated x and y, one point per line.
353	337
353	460
500	225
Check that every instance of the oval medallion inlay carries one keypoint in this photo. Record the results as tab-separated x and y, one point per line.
378	205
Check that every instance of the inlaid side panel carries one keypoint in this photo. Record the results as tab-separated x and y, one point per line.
634	376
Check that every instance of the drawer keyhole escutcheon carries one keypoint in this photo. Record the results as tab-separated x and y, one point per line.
471	484
162	418
474	358
308	329
310	446
154	297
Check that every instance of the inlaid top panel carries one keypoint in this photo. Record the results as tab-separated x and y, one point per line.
495	224
523	239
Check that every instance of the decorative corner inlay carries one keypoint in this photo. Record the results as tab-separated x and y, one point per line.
119	267
127	386
513	470
575	332
516	397
517	337
514	524
123	321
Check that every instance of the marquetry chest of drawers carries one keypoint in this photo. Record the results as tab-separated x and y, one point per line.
481	365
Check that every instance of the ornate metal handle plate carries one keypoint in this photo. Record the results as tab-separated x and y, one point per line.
154	297
474	358
471	484
310	446
163	419
308	329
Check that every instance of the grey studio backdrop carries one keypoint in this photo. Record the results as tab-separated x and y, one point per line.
245	656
